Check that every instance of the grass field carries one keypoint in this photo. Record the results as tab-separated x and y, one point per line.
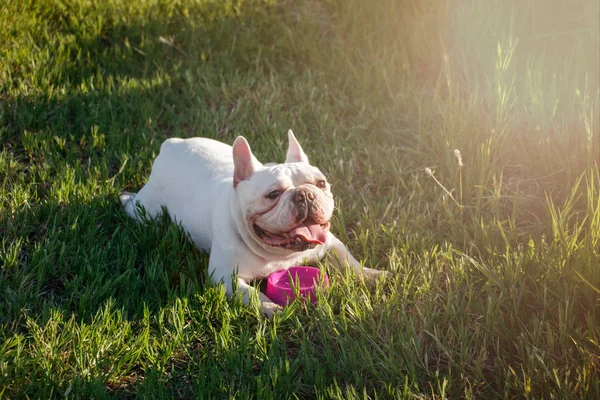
496	263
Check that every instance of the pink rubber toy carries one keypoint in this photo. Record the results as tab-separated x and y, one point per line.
306	279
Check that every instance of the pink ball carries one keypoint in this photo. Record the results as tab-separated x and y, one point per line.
306	279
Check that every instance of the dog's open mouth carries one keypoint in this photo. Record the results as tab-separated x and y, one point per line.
305	236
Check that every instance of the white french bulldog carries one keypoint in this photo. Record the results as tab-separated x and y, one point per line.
254	219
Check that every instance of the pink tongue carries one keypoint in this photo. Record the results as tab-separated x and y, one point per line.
312	233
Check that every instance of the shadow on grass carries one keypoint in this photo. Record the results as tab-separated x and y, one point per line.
77	257
98	129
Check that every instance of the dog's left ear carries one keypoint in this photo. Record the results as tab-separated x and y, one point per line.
243	166
295	153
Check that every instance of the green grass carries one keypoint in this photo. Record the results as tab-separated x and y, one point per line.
496	294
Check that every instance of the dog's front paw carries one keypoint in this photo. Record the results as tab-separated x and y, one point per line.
269	309
374	274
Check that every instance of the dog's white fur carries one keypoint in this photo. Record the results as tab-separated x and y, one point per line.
218	194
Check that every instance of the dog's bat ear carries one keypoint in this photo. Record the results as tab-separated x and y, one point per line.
243	166
295	153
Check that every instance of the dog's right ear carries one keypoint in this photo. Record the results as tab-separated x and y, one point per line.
243	167
295	153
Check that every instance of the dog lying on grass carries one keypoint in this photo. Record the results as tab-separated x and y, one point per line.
253	218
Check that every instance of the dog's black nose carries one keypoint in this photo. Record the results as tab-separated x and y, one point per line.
303	196
300	197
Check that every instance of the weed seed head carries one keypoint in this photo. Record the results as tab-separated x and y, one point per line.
458	157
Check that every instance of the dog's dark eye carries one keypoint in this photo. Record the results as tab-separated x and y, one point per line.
321	184
273	195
